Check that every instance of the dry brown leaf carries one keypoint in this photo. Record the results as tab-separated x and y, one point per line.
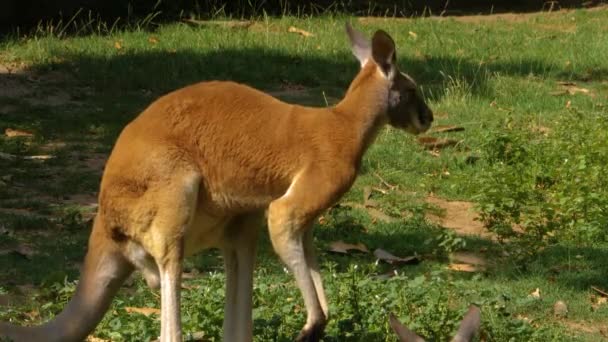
467	258
117	45
433	143
39	157
153	40
343	247
535	293
464	267
143	311
293	29
446	129
12	133
387	257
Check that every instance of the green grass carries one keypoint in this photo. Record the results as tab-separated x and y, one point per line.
493	77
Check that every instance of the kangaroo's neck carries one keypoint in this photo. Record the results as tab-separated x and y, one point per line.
364	108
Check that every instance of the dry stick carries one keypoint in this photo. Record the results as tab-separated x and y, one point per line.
387	184
604	294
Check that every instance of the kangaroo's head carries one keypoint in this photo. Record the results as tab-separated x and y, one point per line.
466	331
406	108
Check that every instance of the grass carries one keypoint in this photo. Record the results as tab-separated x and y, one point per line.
494	77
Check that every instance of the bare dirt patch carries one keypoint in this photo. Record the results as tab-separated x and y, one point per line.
37	89
505	17
592	328
458	216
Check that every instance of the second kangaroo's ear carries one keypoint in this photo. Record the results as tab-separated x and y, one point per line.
383	52
359	44
404	334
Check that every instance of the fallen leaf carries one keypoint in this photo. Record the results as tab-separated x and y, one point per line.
12	133
117	45
467	258
387	257
446	128
413	34
535	293
434	153
322	220
464	267
301	32
568	104
39	157
153	40
143	311
560	309
343	247
436	143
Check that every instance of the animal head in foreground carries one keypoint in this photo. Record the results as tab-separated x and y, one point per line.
466	331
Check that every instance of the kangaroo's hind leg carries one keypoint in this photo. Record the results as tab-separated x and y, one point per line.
169	209
239	250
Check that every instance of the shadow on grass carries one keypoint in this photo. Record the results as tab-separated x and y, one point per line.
163	71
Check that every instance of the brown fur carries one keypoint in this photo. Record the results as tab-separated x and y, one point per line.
200	166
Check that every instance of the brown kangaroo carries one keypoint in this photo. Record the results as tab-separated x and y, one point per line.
200	167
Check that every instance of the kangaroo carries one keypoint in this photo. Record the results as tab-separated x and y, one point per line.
468	327
203	166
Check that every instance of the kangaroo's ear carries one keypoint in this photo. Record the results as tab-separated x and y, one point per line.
359	44
404	334
383	52
469	325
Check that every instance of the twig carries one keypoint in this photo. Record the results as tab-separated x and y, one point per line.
603	293
387	184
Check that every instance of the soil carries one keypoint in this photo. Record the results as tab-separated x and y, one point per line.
458	216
